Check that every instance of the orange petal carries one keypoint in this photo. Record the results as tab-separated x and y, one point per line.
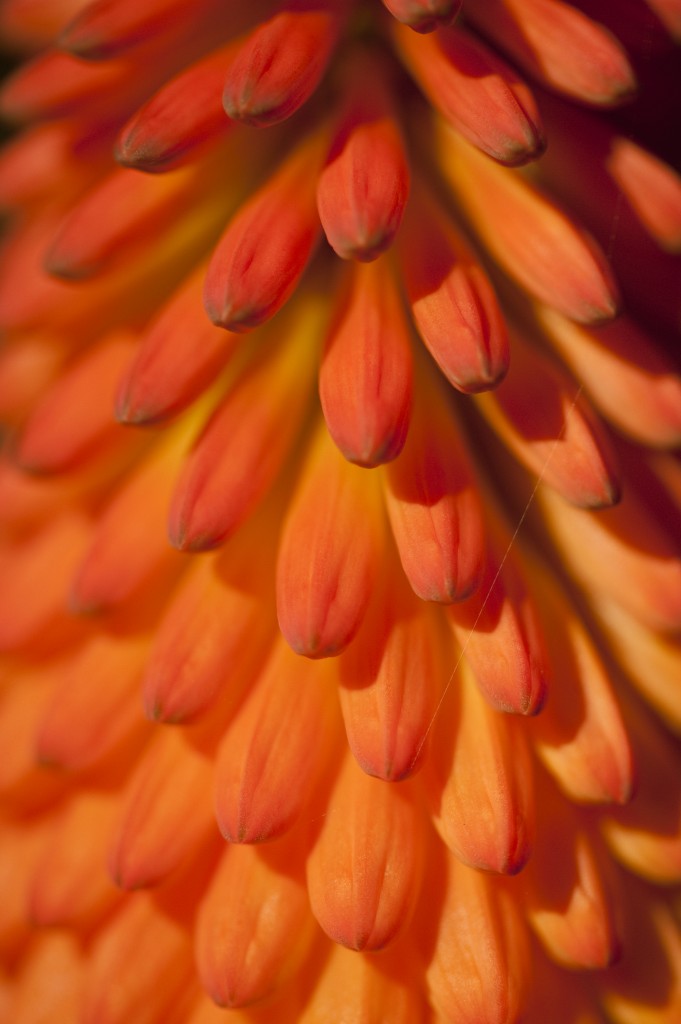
365	379
280	64
274	749
644	985
24	782
361	987
363	188
94	710
258	261
184	114
364	868
53	972
480	969
631	379
35	580
452	301
538	411
120	212
160	947
646	834
624	554
129	551
580	735
213	636
479	780
569	903
560	46
652	187
476	91
178	357
104	29
165	810
390	677
329	553
254	924
74	419
530	237
245	444
70	885
434	507
501	638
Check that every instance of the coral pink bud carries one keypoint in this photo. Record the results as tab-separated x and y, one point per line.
364	185
452	302
365	378
476	91
261	256
363	870
434	507
281	63
580	735
424	15
329	553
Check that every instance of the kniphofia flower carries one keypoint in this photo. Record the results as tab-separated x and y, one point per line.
340	511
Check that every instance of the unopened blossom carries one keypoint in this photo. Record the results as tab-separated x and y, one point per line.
340	512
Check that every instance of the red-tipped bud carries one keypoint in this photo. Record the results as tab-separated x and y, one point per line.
179	118
391	677
364	185
329	553
452	302
365	379
540	414
261	256
275	749
179	355
245	444
434	507
479	94
501	639
534	241
560	46
281	63
479	781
